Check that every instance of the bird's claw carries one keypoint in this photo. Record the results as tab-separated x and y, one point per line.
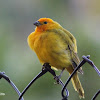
57	79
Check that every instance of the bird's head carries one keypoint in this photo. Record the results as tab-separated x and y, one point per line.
44	24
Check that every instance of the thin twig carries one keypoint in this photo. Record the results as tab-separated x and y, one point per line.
68	80
60	81
2	75
46	68
92	64
85	59
97	70
27	87
94	97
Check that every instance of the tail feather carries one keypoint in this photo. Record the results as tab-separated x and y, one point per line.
76	83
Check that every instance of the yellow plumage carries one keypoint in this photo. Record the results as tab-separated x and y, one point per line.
56	46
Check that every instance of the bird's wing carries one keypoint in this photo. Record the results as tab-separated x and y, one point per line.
75	61
69	43
72	46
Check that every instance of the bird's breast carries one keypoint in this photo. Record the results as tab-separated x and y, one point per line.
50	49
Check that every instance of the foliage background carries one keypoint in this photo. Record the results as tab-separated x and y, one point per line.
80	17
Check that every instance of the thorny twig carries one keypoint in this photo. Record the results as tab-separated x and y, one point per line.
2	75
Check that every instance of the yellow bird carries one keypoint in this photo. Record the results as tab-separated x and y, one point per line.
55	45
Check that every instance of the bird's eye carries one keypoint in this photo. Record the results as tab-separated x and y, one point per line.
45	22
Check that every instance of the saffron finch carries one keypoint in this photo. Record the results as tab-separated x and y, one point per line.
55	45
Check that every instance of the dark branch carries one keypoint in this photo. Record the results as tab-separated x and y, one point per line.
2	75
92	64
46	68
85	59
81	63
94	97
27	87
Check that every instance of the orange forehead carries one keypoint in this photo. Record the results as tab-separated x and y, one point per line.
45	19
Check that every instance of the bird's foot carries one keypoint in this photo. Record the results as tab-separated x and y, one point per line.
45	66
57	78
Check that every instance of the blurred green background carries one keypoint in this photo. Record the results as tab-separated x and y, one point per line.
80	17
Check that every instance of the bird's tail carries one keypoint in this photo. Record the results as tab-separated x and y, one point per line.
77	84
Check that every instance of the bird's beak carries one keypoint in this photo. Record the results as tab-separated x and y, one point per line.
37	23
